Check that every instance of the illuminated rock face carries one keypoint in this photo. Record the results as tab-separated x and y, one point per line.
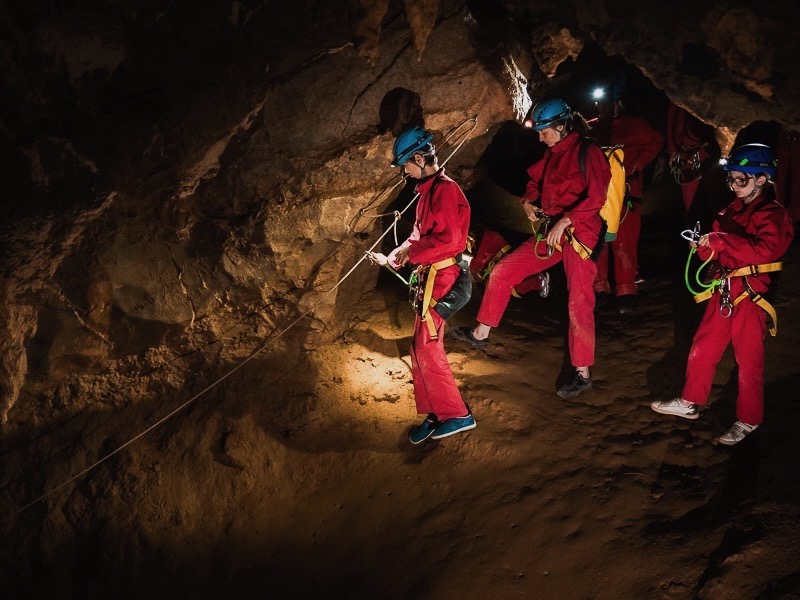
182	182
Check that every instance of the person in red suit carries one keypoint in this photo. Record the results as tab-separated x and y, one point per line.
747	239
688	142
640	144
439	236
569	202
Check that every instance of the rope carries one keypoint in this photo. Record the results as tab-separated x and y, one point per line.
706	286
692	236
263	347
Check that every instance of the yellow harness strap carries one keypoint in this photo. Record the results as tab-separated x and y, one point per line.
427	298
756	269
495	259
760	301
582	250
703	296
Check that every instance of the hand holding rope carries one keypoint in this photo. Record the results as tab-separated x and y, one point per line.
693	237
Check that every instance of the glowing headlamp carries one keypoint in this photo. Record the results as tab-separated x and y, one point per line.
598	93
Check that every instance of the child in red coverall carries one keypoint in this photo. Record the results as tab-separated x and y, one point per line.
571	201
439	235
754	230
640	144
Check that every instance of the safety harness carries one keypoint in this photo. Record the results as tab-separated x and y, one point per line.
421	291
484	274
722	282
723	285
583	251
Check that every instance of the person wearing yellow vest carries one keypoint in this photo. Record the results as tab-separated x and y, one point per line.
569	200
748	238
439	236
641	144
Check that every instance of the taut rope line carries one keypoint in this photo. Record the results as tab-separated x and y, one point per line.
255	353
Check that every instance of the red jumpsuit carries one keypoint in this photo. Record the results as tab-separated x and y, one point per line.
564	191
756	233
641	144
685	132
440	232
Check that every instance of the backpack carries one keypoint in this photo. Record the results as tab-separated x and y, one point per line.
615	195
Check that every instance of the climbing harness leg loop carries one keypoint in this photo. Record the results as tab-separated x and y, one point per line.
426	275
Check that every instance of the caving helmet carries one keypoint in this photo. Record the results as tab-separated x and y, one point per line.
412	140
548	112
753	159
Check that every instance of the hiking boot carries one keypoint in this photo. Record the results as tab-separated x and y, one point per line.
465	335
625	303
736	433
420	433
450	427
675	408
544	291
578	385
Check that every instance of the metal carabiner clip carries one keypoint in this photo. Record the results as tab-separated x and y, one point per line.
692	235
541	234
725	306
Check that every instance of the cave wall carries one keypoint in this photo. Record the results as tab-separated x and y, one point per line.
171	171
181	182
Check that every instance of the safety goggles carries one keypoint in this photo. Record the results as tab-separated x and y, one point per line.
739	182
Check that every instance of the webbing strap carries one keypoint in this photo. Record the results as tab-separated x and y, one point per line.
762	303
754	296
495	259
742	272
703	296
427	297
582	250
756	269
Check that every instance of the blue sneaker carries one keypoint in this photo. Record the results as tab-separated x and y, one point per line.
449	427
420	433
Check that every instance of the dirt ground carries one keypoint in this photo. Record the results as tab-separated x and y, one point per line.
598	497
295	478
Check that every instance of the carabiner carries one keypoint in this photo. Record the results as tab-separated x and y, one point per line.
725	306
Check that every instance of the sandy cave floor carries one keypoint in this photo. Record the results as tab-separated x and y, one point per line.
598	497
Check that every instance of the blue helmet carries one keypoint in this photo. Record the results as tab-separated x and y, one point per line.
753	159
411	141
548	112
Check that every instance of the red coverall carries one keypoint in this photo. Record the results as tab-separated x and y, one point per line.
641	144
687	132
756	233
564	191
440	232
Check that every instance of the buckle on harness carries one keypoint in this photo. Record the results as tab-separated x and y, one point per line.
725	305
416	288
545	221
